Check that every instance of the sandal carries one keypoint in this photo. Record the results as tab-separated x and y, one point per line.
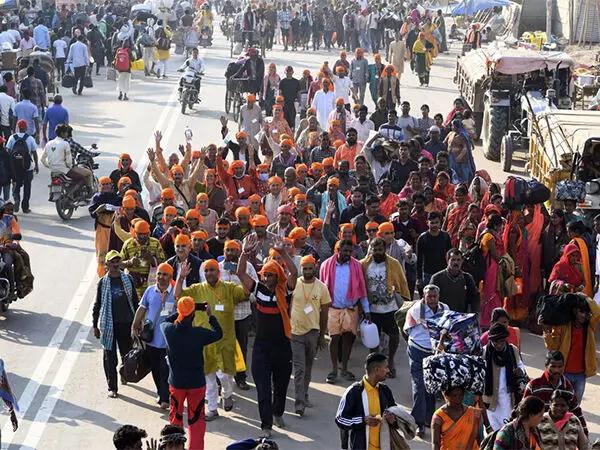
331	377
348	375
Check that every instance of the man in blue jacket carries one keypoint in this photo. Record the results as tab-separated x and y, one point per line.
185	352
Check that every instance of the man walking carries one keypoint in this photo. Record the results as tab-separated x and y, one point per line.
219	358
185	350
79	60
55	115
457	287
23	150
431	248
387	290
344	278
115	306
289	88
7	104
158	303
310	305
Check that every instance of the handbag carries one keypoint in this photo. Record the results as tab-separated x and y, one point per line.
147	333
87	82
135	363
138	64
68	80
111	74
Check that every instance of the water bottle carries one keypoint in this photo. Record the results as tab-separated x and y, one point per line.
188	134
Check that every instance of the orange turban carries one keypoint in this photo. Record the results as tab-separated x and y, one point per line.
254	198
273	253
251	98
167	193
210	263
132	193
340	69
240	135
142	227
202	196
300	195
128	202
200	234
185	307
333	180
193	214
104	180
260	221
275	179
242	211
338	101
389	66
328	162
300	168
337	143
311	112
232	244
287	142
279	99
385	227
355	107
335	121
262	167
308	259
292	192
210	172
315	224
165	268
183	239
196	154
123	156
234	164
371	226
176	168
170	210
123	180
297	233
317	165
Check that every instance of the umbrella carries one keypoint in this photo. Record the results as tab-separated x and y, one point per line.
467	7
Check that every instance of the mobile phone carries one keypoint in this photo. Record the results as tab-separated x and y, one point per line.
201	306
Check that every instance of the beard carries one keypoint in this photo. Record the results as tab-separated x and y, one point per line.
379	258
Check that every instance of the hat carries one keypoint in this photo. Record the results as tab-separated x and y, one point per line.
104	180
241	135
328	162
251	98
167	193
200	234
260	221
275	179
242	211
308	259
185	307
170	210
386	226
192	214
300	168
22	124
232	244
497	332
333	180
285	209
112	255
202	196
128	202
372	226
183	239
142	227
166	268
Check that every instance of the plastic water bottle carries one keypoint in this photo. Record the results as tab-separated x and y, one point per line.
188	134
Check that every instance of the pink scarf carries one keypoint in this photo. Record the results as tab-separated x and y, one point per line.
356	287
561	423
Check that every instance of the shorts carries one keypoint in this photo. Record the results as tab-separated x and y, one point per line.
386	323
341	321
285	32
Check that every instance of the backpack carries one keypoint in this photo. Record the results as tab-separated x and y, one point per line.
147	40
474	262
163	42
489	441
515	191
20	154
122	61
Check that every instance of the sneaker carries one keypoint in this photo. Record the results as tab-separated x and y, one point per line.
120	96
421	431
26	211
300	411
164	405
211	415
265	433
243	385
228	403
113	394
125	97
278	421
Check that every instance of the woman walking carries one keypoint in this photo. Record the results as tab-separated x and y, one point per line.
521	433
422	58
122	64
456	425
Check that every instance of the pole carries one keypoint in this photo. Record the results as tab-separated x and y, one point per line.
549	14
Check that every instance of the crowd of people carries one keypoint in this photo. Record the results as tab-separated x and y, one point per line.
303	224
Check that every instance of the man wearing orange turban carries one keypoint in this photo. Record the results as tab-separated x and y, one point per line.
242	227
183	248
187	379
219	358
238	185
274	199
120	226
271	354
157	304
199	246
310	302
125	169
167	198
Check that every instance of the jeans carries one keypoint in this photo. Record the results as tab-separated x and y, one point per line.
365	42
195	408
122	340
350	40
242	328
423	403
578	382
304	349
60	67
160	371
5	131
271	366
327	34
26	184
79	73
375	39
6	192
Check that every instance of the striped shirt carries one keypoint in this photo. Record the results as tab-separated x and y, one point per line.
285	17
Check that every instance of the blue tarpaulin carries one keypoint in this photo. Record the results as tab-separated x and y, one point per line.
8	4
469	7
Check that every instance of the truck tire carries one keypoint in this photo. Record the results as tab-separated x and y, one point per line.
506	153
494	128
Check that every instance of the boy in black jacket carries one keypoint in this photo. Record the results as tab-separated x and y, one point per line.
351	414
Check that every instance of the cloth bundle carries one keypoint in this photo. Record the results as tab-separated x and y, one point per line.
443	371
459	333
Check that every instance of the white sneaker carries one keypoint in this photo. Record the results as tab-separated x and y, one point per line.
211	415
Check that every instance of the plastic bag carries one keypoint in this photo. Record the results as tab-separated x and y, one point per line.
138	64
240	364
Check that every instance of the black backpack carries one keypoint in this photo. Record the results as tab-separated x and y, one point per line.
163	42
19	153
474	262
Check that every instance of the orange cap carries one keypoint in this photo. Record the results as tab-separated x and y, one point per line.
142	227
183	239
128	202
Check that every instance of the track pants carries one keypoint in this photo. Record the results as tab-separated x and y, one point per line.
212	388
195	407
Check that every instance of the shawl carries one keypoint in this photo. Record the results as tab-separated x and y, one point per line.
106	318
446	193
564	271
356	287
504	358
394	275
280	294
325	200
585	267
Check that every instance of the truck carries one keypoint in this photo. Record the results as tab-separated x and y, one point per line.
503	86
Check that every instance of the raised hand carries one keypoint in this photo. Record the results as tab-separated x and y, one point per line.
158	136
223	120
151	154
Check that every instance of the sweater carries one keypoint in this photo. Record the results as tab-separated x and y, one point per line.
460	293
570	437
185	350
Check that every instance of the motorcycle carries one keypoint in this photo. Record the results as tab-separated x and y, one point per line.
189	88
205	37
228	27
61	185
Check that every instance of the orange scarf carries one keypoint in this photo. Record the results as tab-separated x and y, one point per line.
280	293
585	266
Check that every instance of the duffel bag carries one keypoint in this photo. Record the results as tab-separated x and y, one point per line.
459	332
570	190
443	371
515	191
537	193
135	364
400	316
68	80
556	309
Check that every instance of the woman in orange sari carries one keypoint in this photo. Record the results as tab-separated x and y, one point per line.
443	189
516	244
456	425
429	29
387	199
576	231
457	212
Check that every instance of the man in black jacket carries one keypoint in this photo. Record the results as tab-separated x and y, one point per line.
351	414
457	288
183	248
185	351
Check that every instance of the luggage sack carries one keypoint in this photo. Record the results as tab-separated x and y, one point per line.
570	190
461	332
68	80
515	191
442	371
538	192
556	309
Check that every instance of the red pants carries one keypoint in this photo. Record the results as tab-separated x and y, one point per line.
195	406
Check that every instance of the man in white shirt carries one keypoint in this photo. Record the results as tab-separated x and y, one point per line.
7	104
12	30
342	86
341	114
6	37
78	60
362	125
324	102
408	123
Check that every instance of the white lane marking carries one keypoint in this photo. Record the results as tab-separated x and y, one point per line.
41	371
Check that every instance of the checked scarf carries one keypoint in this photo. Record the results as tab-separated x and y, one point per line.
106	318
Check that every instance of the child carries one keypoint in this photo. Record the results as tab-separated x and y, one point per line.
469	123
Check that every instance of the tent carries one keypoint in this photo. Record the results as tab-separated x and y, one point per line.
470	7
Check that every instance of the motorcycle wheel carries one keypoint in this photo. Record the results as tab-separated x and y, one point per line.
3	306
184	102
64	212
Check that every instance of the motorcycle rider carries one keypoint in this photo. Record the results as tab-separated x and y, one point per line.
205	20
228	9
195	62
9	232
58	157
187	20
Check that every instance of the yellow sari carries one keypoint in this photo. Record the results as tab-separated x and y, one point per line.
585	266
419	49
462	434
428	31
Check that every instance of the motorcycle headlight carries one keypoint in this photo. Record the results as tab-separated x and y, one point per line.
592	187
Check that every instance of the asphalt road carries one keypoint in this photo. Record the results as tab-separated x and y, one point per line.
54	362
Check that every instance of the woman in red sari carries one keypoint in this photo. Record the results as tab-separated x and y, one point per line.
492	247
516	244
493	188
457	212
567	275
443	189
387	199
